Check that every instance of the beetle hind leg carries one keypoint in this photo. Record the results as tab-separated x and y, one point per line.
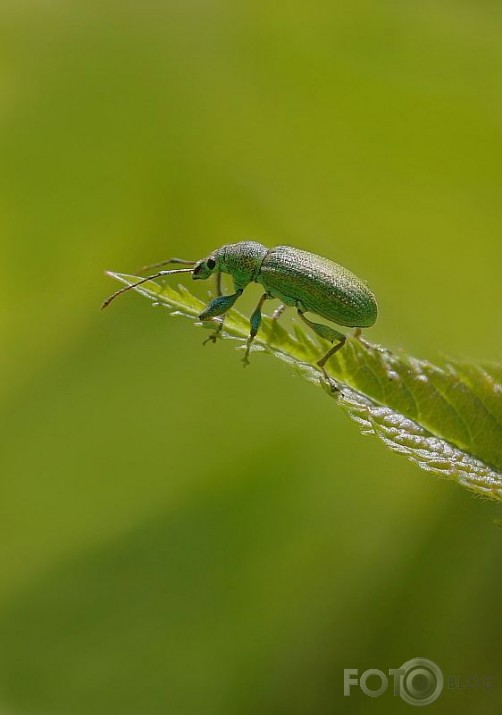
327	333
322	362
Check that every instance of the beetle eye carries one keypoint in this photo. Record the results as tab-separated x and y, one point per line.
210	263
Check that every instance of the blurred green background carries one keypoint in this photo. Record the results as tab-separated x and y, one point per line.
179	535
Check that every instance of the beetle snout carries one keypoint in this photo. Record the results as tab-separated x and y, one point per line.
200	271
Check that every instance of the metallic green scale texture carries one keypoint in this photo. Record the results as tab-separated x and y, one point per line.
306	281
317	285
310	283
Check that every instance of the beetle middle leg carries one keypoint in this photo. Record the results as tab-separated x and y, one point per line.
328	333
255	322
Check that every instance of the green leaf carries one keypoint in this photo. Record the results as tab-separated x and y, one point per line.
446	418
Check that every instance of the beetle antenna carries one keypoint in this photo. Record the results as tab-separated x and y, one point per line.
143	280
182	261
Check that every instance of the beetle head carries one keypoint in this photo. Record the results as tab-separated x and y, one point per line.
206	267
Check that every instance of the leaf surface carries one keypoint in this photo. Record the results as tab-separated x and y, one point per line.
446	418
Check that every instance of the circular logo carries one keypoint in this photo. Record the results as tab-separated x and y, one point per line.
421	681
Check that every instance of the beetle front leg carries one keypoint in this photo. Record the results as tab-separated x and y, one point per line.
218	283
328	333
218	306
216	334
255	322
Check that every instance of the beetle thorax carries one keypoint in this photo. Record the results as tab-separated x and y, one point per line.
242	261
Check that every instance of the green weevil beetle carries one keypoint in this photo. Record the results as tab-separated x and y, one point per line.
303	280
